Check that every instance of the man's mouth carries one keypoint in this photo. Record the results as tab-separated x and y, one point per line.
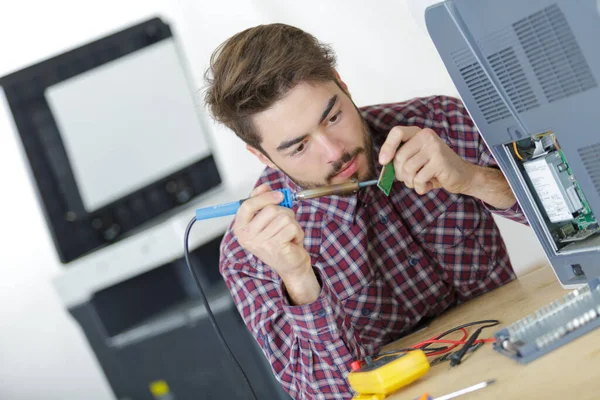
348	169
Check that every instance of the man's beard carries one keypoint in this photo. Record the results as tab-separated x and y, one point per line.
366	149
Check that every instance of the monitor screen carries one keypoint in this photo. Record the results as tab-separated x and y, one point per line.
127	123
113	136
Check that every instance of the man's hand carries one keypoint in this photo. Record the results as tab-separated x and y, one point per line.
273	235
425	162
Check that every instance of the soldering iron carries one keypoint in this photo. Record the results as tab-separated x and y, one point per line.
289	198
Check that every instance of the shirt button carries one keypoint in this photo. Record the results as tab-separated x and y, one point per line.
322	312
366	311
413	261
383	218
440	299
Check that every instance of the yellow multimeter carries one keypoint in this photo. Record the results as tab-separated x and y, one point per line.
387	374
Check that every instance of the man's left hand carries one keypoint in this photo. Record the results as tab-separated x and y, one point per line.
425	162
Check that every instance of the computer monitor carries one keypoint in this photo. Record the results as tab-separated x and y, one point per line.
113	136
528	73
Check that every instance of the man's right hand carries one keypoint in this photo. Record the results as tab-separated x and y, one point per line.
273	235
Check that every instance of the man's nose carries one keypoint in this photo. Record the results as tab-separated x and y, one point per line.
332	149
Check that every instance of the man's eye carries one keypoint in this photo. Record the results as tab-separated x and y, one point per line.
299	149
335	117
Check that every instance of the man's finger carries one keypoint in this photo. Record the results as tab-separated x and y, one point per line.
291	233
423	180
397	135
414	164
262	220
412	153
274	228
264	188
251	206
269	221
389	147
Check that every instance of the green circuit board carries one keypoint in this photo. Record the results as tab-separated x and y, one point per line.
586	216
386	178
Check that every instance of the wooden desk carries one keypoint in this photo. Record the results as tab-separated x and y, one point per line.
572	371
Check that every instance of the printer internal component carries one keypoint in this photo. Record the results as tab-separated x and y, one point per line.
568	216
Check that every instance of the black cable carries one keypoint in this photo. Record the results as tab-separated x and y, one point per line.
398	351
208	310
457	357
485	321
441	335
494	322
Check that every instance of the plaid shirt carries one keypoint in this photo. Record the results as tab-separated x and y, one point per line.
384	263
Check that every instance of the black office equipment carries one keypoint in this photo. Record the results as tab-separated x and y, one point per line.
117	151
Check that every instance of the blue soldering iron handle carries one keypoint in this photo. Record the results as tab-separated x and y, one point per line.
221	210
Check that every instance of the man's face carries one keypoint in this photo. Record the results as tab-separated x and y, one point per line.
316	135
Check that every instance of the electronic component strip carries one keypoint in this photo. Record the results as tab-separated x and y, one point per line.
552	326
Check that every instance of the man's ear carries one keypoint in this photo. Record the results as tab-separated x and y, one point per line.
341	82
261	157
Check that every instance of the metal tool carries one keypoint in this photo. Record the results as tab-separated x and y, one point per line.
290	197
338	189
460	392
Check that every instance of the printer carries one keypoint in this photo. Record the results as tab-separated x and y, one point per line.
120	159
528	73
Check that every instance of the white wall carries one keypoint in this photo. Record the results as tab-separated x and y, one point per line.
383	56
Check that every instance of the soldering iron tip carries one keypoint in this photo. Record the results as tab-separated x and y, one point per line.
367	183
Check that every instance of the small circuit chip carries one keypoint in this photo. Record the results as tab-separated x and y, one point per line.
386	178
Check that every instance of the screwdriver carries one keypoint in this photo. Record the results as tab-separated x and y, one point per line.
460	392
289	198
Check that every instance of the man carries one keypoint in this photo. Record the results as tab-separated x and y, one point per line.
337	277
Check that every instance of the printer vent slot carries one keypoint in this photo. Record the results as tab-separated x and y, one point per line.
510	73
590	156
554	54
489	102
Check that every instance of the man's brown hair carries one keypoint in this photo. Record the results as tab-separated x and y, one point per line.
255	68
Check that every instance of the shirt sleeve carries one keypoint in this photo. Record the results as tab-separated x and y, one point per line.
309	347
463	136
